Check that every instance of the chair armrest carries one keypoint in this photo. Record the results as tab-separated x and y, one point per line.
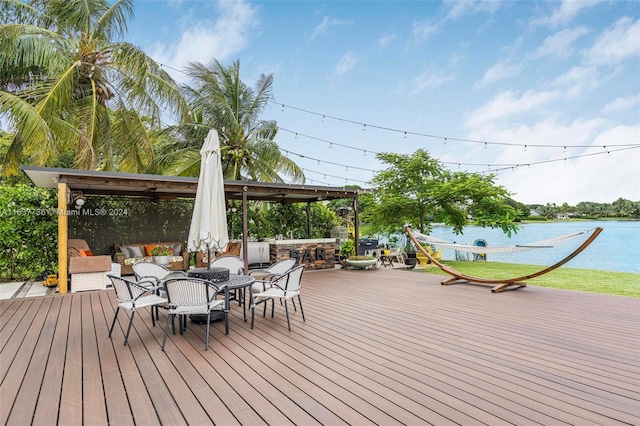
119	258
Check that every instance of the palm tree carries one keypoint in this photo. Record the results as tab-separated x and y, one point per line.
220	100
67	86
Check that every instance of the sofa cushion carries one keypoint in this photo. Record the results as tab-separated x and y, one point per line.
125	250
148	248
135	251
177	249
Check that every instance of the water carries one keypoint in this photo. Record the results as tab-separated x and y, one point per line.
617	247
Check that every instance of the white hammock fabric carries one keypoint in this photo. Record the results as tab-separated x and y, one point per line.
496	249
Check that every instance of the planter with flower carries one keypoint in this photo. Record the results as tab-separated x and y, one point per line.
161	255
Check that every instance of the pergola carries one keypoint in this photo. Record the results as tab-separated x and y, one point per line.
153	187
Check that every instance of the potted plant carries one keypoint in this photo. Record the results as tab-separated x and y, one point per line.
362	262
347	248
410	251
161	255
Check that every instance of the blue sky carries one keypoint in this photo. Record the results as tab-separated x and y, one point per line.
540	82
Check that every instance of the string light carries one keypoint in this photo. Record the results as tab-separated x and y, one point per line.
445	138
496	166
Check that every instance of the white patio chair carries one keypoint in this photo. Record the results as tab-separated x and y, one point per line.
145	270
274	271
263	276
152	270
235	265
285	287
193	296
132	296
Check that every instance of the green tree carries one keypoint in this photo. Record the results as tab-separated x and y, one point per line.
28	231
220	100
68	84
416	188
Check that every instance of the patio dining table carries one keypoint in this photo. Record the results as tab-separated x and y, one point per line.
235	282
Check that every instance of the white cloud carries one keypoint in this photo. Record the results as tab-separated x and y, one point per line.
507	104
500	71
621	104
617	43
326	24
430	78
386	39
554	175
423	29
459	8
564	14
559	45
599	177
205	39
346	63
577	81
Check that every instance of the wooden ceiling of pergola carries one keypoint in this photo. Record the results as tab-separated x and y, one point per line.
169	187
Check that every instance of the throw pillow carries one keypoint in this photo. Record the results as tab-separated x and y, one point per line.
177	249
88	252
125	250
72	252
147	249
82	253
135	251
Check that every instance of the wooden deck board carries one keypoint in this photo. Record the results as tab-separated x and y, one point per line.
378	347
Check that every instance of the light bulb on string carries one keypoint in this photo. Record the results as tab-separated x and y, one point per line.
405	135
444	142
525	148
364	127
331	145
296	136
564	149
323	118
282	109
365	152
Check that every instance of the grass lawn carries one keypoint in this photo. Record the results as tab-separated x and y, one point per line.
620	283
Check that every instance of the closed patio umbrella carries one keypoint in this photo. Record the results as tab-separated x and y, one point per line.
209	221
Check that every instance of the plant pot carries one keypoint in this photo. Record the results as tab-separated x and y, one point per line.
412	255
162	260
411	262
362	264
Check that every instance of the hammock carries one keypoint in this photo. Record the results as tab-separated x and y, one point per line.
499	284
497	249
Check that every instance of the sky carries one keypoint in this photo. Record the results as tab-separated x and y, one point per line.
544	94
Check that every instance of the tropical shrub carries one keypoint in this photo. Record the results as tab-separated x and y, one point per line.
28	232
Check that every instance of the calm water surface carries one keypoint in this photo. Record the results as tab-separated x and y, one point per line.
617	248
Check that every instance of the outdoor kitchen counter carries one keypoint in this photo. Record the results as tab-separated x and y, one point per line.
316	253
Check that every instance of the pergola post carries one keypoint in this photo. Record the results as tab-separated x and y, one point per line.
63	235
308	210
356	224
245	230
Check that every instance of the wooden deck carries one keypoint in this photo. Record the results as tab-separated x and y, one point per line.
378	347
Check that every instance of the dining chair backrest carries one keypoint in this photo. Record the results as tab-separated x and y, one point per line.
282	267
292	280
148	269
127	291
234	263
191	292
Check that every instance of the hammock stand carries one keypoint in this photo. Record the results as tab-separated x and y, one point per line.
499	284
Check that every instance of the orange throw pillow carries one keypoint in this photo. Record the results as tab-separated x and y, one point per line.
88	253
82	253
147	249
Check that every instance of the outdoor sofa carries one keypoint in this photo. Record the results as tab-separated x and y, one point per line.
126	254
